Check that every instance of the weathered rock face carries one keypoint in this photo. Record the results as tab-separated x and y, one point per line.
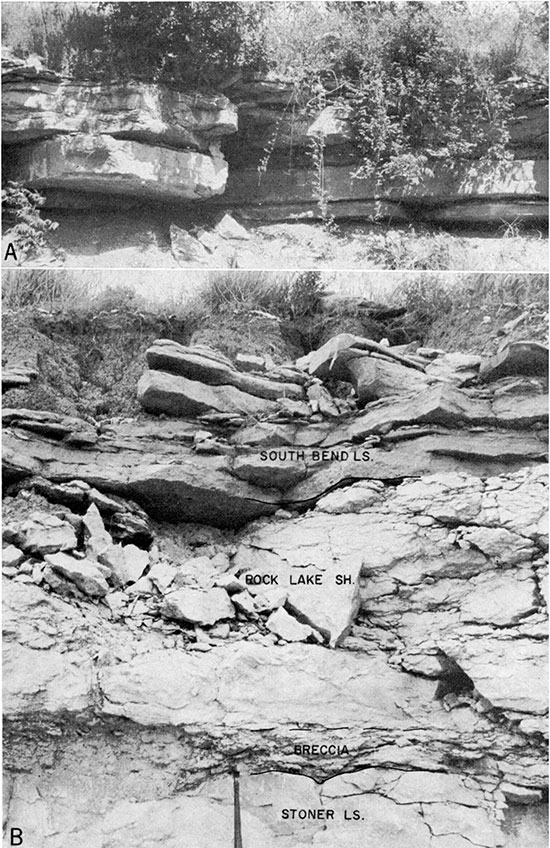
103	164
200	363
270	120
121	139
368	652
467	193
151	141
36	109
390	810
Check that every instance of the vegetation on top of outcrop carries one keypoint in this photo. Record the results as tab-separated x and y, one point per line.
195	42
476	314
424	79
287	295
88	341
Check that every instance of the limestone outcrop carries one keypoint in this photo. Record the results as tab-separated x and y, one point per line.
271	124
40	107
113	138
194	593
140	140
468	193
103	164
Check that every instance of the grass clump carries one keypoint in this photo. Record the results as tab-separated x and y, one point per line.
284	295
45	289
472	313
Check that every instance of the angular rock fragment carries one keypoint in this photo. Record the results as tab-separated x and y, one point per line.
11	556
375	378
45	534
88	576
321	401
197	570
228	228
521	357
126	563
286	627
162	575
244	602
230	583
142	587
74	494
96	539
197	606
186	248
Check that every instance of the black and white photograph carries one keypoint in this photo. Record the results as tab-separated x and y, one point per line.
275	559
400	135
275	424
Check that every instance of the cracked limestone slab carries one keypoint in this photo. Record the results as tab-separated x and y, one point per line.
322	586
161	392
270	804
203	365
107	165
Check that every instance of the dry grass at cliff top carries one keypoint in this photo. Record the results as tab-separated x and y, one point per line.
454	311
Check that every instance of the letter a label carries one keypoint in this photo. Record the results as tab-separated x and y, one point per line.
10	252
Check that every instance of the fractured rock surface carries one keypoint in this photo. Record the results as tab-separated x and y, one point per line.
101	163
153	141
128	138
41	108
349	607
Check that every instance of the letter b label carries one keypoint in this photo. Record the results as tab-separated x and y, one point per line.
16	836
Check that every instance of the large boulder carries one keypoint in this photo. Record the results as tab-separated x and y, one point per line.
520	357
87	575
202	364
375	377
161	392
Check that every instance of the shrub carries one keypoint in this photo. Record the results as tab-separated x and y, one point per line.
196	43
21	210
122	298
424	99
